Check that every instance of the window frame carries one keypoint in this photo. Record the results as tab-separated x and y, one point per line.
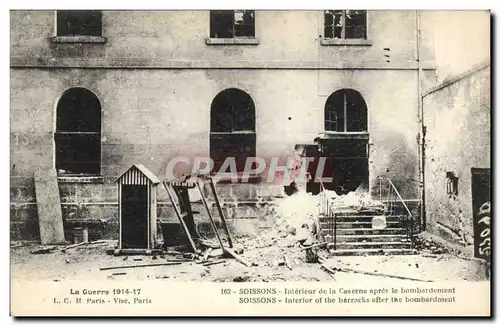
329	109
248	133
331	41
59	135
233	40
57	38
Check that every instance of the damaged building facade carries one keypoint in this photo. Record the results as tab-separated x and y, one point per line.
95	92
458	159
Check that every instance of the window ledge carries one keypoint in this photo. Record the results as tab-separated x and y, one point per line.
345	135
80	179
340	42
78	39
232	41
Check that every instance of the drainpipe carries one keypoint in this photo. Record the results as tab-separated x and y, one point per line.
421	135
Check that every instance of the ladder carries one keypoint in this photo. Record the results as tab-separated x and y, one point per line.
177	190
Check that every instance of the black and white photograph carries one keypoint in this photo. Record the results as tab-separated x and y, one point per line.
342	147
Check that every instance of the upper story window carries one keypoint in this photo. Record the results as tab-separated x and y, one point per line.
232	23
345	24
79	23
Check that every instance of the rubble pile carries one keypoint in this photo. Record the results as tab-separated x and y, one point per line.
358	200
293	211
429	246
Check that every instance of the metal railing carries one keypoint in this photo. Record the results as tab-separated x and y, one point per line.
391	200
392	197
325	210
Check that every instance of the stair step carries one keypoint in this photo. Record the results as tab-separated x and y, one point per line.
362	218
372	245
366	231
370	252
368	237
348	225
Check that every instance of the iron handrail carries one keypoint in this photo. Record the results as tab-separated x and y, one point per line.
402	201
332	218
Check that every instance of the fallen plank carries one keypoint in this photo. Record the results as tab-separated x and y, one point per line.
346	270
231	253
141	265
329	270
215	262
83	243
288	264
48	204
74	246
43	250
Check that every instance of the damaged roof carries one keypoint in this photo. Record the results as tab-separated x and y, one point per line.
144	170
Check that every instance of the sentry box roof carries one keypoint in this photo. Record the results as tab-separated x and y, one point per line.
138	174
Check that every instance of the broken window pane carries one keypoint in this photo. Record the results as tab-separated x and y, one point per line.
355	24
79	22
232	23
78	133
345	23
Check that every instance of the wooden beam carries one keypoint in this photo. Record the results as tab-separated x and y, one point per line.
178	213
141	265
221	213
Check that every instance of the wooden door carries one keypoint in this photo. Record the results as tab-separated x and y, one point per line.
134	216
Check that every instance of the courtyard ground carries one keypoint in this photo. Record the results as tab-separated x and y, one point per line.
273	260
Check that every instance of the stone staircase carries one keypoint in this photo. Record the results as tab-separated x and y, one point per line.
355	236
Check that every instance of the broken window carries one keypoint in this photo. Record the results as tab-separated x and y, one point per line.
232	23
78	133
232	128
79	22
451	184
345	110
345	24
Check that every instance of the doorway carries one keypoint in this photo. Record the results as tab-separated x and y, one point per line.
346	163
134	210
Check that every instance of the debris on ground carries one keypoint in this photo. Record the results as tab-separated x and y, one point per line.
44	250
429	247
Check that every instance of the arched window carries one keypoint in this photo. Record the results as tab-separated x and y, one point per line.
78	133
232	128
345	110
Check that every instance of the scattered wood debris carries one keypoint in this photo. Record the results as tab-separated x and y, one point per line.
142	265
215	262
231	253
44	250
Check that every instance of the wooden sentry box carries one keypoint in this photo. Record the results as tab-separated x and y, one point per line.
137	189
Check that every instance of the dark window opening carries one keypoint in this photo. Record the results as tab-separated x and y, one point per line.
78	133
232	128
345	24
345	110
79	23
232	23
451	184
